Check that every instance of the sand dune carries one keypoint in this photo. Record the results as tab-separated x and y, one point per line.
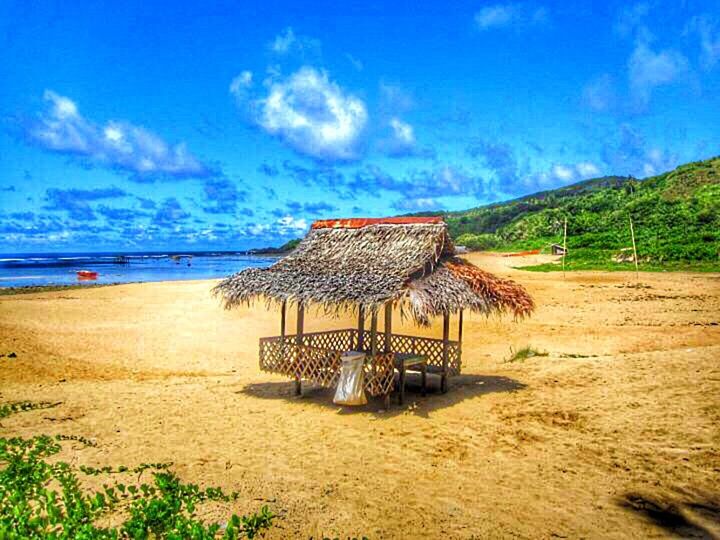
614	434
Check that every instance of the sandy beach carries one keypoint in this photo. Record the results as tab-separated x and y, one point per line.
614	434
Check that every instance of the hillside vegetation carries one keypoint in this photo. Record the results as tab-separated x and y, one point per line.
676	217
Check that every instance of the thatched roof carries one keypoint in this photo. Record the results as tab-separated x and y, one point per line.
341	264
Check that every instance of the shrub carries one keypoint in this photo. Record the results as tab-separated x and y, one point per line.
478	242
41	498
524	354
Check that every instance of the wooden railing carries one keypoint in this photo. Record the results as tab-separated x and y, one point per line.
431	348
317	358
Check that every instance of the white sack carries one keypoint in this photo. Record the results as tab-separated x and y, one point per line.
351	386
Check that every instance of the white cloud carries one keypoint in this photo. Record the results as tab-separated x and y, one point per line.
401	141
452	179
240	84
599	94
649	169
402	132
285	226
443	181
259	229
587	169
241	88
288	42
418	204
117	145
648	69
656	162
314	115
283	41
707	30
62	107
631	18
627	152
491	16
394	99
562	172
511	14
289	224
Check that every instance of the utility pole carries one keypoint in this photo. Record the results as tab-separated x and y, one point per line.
635	257
564	246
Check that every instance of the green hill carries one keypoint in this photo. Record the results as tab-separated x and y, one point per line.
676	217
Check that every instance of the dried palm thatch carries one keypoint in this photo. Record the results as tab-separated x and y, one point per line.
342	264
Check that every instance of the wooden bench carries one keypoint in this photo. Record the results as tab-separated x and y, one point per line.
406	361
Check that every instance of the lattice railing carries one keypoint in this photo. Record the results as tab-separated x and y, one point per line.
379	374
431	348
336	340
318	358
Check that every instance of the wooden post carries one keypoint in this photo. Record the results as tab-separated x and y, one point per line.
298	341
283	310
564	246
635	257
446	347
283	313
388	326
361	328
387	348
374	351
373	338
460	329
460	333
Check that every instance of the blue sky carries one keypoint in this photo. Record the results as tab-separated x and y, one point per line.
140	125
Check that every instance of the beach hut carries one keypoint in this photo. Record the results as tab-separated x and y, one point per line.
369	266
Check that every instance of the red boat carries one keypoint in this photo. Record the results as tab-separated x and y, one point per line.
86	274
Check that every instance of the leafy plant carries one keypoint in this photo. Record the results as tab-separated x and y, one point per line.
77	438
92	471
7	409
524	354
43	498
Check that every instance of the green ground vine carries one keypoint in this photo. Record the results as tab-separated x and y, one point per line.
44	498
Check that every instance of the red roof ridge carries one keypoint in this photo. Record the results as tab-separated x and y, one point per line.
357	223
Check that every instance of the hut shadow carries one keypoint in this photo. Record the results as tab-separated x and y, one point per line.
461	388
695	516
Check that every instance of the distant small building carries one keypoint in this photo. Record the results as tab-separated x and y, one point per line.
557	249
459	250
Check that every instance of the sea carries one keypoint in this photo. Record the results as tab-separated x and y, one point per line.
34	269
